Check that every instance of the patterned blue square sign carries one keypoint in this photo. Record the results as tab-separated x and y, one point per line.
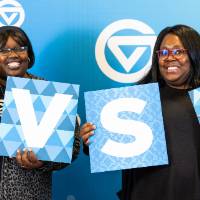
195	98
129	131
40	115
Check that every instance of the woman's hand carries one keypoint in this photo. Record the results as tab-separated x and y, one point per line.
86	131
28	160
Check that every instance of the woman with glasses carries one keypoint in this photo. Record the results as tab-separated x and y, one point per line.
24	177
176	67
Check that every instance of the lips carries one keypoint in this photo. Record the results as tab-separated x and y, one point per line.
172	69
13	65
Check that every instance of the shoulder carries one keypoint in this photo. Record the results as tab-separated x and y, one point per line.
31	76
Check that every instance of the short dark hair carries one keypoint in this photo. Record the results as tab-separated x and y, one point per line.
20	37
191	41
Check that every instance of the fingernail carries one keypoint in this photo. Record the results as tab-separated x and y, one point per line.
94	127
18	151
24	149
87	143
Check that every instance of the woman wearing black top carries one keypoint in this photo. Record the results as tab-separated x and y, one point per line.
176	67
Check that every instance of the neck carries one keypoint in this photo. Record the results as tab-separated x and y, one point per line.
2	81
180	87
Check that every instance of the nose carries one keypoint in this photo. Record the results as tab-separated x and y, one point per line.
13	54
170	57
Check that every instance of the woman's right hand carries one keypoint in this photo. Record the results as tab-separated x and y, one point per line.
86	131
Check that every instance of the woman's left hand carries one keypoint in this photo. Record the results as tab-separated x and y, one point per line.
28	160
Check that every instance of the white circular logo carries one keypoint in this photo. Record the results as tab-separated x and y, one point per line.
11	13
114	42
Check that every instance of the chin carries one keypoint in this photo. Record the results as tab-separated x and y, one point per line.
172	78
16	73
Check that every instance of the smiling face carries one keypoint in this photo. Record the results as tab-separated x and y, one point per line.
13	63
175	71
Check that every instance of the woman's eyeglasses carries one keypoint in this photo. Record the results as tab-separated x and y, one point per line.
176	53
17	50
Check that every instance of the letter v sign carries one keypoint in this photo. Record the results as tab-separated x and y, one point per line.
36	135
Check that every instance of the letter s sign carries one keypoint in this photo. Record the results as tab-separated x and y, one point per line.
139	130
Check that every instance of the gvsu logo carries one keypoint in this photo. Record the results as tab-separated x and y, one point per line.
11	13
119	66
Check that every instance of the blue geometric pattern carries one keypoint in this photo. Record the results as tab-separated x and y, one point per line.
195	98
151	115
58	147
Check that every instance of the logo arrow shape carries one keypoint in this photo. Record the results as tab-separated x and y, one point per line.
7	19
115	42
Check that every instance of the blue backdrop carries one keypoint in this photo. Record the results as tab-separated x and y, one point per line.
64	35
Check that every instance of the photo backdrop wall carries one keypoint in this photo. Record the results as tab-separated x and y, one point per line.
99	45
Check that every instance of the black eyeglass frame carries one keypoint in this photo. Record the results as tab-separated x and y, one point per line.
6	51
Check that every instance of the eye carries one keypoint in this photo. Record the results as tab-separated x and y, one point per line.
18	49
177	52
164	52
4	51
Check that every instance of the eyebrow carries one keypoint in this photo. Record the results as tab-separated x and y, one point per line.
174	47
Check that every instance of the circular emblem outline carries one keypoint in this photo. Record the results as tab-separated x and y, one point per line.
101	42
17	8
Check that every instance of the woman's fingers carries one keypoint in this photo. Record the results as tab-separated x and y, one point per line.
28	160
19	158
87	130
85	137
